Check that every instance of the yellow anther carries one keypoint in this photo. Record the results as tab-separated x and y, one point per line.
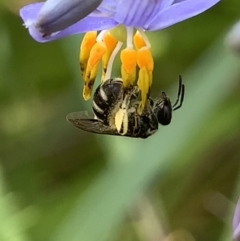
98	50
89	82
104	48
146	64
128	78
144	80
110	43
145	59
138	41
129	64
88	41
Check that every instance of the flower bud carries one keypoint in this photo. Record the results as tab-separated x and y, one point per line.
56	15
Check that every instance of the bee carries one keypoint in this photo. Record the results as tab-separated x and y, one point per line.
115	111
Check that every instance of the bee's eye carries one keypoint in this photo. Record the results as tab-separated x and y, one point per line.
164	115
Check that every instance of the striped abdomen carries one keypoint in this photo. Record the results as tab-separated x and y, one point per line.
107	100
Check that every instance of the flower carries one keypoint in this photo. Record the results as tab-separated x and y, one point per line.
236	222
118	21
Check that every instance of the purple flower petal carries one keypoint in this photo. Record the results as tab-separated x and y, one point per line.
107	7
29	15
138	12
178	12
166	3
56	15
232	40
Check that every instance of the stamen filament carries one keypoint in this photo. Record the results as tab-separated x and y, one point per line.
105	47
129	37
101	35
145	38
111	44
110	63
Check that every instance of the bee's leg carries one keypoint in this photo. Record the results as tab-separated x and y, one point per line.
121	117
132	93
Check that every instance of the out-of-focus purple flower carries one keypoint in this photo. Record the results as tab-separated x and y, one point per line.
236	222
232	40
44	20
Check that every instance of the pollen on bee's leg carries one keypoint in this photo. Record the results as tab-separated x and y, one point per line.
121	121
88	42
121	116
111	44
128	68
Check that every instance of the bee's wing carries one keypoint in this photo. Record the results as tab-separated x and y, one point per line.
80	115
85	121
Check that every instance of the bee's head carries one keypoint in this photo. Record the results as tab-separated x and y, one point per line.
163	109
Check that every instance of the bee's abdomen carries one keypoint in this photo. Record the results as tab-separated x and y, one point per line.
106	98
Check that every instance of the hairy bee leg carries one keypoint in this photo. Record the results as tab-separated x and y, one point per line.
121	117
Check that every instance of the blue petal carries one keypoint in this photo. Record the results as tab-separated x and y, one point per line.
30	12
29	15
108	6
137	13
166	3
178	12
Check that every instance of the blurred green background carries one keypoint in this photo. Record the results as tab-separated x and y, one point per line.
59	183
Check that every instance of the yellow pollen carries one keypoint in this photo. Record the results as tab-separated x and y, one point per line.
98	50
96	54
144	80
111	44
144	58
138	41
146	64
129	64
88	41
104	47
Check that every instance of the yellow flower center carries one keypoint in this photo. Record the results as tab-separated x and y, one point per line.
104	48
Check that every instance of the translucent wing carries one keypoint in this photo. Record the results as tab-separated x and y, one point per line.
80	115
86	122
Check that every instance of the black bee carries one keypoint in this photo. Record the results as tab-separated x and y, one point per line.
115	110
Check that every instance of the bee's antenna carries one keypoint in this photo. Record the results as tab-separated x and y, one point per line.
181	92
182	98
